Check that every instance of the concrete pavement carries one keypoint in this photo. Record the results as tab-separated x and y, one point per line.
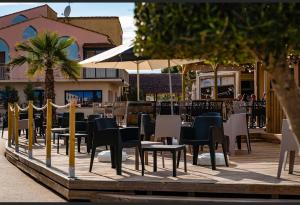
16	186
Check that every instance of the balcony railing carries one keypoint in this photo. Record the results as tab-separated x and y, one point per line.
96	73
4	72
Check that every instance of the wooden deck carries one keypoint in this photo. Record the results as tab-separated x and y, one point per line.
249	174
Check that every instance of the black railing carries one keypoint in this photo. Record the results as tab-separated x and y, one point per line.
105	73
4	72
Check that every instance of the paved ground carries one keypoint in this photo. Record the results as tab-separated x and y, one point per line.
16	186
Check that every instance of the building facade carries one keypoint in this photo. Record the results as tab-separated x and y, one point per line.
92	35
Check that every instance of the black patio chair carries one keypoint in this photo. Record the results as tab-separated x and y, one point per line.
148	126
108	133
90	130
4	123
206	130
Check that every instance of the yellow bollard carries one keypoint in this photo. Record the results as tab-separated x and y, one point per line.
16	127
10	124
72	139
30	129
48	133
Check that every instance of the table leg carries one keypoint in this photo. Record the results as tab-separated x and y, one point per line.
67	145
239	142
57	144
143	165
154	161
174	163
184	158
137	158
78	143
146	158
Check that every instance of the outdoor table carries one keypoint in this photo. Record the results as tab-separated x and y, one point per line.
171	148
143	144
77	135
58	130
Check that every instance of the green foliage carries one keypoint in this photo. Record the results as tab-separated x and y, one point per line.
132	95
9	95
29	92
46	52
219	32
175	69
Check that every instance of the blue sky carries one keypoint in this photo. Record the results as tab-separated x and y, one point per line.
125	12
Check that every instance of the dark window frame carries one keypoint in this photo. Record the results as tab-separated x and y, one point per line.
83	91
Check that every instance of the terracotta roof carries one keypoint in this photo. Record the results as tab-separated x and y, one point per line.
157	83
29	10
84	17
108	38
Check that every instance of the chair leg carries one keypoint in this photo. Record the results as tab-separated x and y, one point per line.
119	160
195	154
92	158
212	156
112	157
282	158
225	154
2	132
292	162
178	158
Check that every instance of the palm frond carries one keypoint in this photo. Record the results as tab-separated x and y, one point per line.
18	61
70	69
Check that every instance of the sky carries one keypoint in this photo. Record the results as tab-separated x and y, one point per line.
125	12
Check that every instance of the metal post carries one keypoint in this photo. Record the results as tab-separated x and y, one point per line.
48	133
30	129
138	81
72	139
171	91
16	127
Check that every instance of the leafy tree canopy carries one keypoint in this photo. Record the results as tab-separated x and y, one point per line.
218	32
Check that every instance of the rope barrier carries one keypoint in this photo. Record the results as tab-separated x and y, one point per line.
23	109
60	106
39	108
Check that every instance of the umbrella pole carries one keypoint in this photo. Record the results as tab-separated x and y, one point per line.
138	81
171	91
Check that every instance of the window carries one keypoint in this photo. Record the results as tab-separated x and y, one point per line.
72	50
18	19
85	98
29	32
4	50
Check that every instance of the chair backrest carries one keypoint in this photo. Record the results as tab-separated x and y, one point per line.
81	126
238	123
93	117
289	141
202	126
237	107
167	126
211	114
105	123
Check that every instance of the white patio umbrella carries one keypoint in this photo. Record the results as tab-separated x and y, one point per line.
122	57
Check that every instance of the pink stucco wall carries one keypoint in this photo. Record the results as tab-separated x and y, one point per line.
31	13
13	34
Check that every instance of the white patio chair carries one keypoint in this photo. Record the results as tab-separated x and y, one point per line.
289	142
237	125
167	126
237	107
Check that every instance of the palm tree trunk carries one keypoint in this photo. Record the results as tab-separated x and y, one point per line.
49	85
49	90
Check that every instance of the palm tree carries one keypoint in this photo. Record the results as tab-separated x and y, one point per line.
44	53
